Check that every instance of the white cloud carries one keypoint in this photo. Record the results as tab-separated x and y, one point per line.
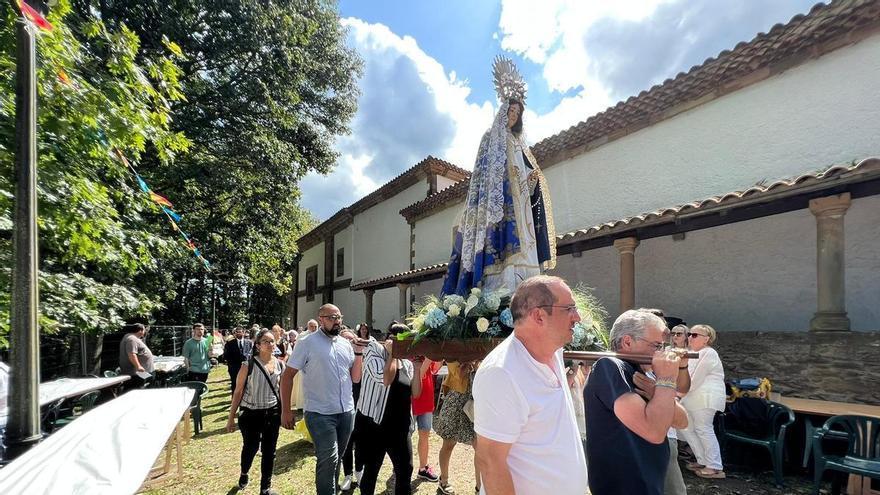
550	33
410	107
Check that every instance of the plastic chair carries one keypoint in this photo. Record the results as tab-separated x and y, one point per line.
80	407
195	406
772	437
49	415
862	457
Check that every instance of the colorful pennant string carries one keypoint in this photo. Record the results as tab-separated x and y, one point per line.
167	208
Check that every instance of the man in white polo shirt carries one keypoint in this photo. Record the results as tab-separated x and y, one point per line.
527	435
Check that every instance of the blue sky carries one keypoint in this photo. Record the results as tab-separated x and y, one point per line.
427	87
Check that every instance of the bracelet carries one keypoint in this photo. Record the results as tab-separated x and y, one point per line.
359	354
665	383
683	367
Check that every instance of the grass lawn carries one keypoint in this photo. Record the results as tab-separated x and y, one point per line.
211	458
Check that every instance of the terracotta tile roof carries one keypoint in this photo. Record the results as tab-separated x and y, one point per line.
423	273
450	195
823	29
867	169
343	217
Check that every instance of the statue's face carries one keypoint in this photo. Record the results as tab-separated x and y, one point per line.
513	113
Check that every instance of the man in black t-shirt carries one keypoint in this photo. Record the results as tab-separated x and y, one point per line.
627	450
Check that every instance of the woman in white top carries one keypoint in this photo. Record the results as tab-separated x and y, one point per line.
706	396
257	392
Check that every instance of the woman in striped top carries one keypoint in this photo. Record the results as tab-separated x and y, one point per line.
257	392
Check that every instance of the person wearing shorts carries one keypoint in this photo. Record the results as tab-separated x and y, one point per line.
423	411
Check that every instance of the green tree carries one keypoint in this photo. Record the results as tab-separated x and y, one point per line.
267	85
99	234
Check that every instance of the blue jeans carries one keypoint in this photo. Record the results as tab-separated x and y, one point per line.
330	433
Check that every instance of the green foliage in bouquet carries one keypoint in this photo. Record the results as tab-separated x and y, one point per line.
486	314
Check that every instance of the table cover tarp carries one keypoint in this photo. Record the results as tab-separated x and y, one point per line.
108	450
69	387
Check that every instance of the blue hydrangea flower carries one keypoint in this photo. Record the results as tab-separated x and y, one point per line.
506	318
435	318
494	329
580	335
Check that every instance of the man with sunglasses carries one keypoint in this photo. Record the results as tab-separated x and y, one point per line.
527	435
627	450
329	364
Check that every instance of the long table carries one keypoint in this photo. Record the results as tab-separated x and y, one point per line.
168	364
827	408
108	450
67	388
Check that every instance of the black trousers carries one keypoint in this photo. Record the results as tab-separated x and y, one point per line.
233	375
259	431
374	441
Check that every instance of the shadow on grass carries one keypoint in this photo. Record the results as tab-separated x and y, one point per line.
290	456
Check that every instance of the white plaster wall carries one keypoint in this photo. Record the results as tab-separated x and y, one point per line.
755	275
381	235
429	287
351	304
862	231
434	236
823	112
343	239
444	182
308	310
386	303
312	256
598	269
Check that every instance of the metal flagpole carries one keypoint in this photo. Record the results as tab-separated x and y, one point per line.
24	412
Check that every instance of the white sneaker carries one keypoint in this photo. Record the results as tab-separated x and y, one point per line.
358	475
346	484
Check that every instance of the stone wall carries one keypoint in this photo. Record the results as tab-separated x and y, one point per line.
836	366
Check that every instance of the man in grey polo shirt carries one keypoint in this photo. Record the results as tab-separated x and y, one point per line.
329	364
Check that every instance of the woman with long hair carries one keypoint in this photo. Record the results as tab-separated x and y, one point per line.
257	392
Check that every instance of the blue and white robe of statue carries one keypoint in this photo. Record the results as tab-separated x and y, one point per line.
505	233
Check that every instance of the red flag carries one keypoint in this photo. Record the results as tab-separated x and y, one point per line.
33	15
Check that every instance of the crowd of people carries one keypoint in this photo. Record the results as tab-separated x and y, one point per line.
537	423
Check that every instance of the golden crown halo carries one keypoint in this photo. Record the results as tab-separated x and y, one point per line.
509	83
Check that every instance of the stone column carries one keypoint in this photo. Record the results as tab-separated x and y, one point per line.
830	273
403	299
368	317
627	249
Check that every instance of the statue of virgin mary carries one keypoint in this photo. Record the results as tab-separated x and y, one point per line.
505	233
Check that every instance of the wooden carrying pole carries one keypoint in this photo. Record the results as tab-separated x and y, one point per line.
633	358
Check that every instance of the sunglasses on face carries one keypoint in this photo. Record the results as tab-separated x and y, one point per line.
332	317
695	335
677	334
